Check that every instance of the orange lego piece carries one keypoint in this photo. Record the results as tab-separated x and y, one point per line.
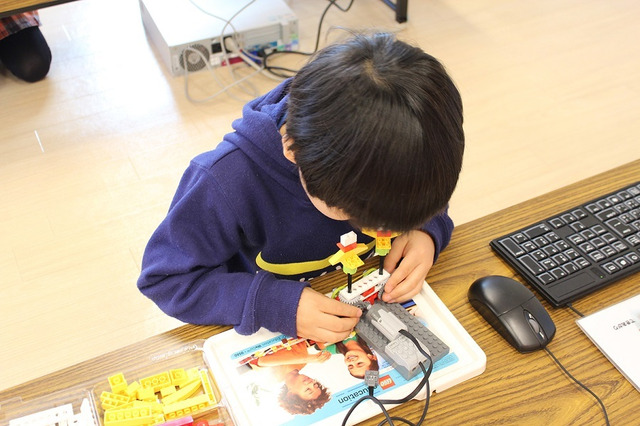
118	383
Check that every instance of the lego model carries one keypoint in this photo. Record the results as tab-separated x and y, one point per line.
380	327
383	243
365	291
348	255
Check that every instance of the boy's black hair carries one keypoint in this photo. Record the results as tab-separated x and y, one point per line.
377	131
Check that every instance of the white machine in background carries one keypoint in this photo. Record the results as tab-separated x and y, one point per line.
179	30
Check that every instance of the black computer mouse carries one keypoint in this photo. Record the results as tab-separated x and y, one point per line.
514	311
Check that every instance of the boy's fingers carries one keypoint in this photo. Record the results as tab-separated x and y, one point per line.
339	309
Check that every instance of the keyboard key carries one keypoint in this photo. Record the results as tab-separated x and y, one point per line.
581	262
619	246
519	238
609	251
578	226
548	264
532	265
579	213
577	239
633	257
556	222
546	278
598	229
538	255
593	208
513	248
597	256
537	230
633	240
540	241
607	214
551	237
611	267
570	268
571	254
559	273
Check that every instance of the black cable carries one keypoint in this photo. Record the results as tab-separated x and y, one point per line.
570	306
364	398
604	410
275	70
423	383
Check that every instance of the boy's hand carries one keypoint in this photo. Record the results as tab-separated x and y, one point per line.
323	319
416	249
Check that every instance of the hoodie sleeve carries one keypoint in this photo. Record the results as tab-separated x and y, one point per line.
440	227
186	266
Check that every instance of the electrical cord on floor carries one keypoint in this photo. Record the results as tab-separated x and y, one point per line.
284	72
424	382
604	409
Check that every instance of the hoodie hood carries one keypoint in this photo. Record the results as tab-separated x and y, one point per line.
257	135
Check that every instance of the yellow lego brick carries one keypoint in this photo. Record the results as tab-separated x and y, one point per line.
185	392
178	376
146	394
167	391
156	382
186	407
112	400
118	383
132	389
128	417
159	419
206	385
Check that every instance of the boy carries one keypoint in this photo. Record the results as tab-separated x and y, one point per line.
367	135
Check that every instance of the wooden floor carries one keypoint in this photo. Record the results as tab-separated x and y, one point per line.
90	157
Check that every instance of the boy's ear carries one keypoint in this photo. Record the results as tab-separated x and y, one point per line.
286	148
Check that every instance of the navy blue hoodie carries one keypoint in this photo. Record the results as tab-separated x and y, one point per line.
241	235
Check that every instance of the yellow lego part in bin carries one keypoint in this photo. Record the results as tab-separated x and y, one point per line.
183	393
132	389
118	383
186	407
167	391
112	400
179	376
147	394
206	385
128	417
157	381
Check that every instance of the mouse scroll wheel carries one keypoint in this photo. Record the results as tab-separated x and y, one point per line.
534	324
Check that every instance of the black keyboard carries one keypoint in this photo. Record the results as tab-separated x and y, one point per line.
580	250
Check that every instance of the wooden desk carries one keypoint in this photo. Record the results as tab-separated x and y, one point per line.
515	388
11	7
